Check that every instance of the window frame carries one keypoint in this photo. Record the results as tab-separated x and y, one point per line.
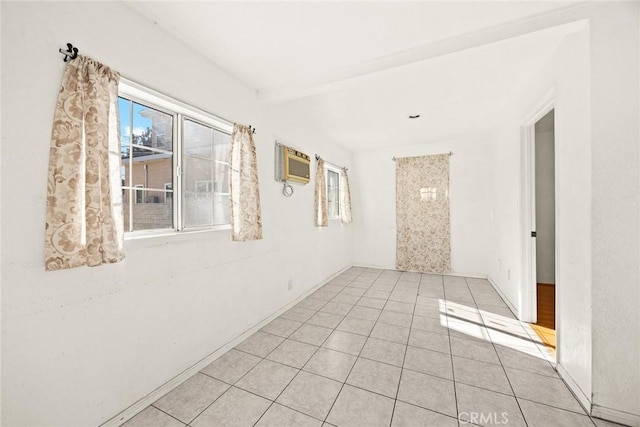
330	168
180	111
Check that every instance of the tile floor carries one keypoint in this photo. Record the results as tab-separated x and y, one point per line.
380	348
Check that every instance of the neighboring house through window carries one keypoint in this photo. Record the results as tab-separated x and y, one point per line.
172	180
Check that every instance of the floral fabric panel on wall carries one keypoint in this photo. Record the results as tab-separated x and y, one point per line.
423	240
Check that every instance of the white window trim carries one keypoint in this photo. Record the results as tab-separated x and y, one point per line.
136	92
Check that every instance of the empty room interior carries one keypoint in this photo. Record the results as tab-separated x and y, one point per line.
320	213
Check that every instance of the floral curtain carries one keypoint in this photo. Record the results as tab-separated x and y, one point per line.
246	217
321	218
345	197
84	222
422	214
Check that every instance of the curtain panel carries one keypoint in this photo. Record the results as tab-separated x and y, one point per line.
84	218
246	216
345	197
321	217
422	214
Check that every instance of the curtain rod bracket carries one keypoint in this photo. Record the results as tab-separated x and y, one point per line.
70	53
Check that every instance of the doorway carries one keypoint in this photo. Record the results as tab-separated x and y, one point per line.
544	234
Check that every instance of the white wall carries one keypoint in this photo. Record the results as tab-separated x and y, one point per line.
615	209
79	346
595	77
545	202
373	192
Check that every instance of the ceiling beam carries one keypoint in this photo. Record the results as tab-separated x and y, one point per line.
346	76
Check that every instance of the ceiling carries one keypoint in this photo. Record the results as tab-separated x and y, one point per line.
354	71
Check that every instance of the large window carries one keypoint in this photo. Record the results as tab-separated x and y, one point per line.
333	193
174	164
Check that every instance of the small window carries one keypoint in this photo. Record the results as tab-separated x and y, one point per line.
155	195
333	194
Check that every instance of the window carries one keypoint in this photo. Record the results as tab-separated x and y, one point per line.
175	163
333	193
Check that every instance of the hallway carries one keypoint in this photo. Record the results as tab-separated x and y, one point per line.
380	347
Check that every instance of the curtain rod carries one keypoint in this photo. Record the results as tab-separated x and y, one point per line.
72	53
332	164
450	153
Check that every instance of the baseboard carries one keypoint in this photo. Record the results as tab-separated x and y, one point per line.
620	417
574	388
472	276
504	297
141	404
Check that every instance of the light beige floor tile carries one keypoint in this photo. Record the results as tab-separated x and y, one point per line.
336	308
604	423
394	318
383	286
399	307
543	389
267	379
234	408
360	284
345	342
311	303
331	364
358	292
355	407
191	397
310	394
376	377
538	415
403	297
299	314
481	374
324	294
428	392
473	349
292	353
365	312
432	291
437	325
429	341
327	320
152	417
260	344
384	351
406	415
371	303
466	330
231	366
391	333
527	359
281	416
281	327
311	334
356	325
429	362
409	276
345	299
374	293
484	407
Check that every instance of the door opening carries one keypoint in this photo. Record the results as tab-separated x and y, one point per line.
544	231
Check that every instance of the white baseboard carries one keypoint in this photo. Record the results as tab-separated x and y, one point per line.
584	400
472	276
504	297
141	404
620	417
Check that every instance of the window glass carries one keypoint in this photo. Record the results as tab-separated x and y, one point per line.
147	161
333	192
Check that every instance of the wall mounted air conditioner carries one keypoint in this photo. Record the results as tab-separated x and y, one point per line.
291	165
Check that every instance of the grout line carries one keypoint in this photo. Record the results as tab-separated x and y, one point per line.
358	355
501	364
406	349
